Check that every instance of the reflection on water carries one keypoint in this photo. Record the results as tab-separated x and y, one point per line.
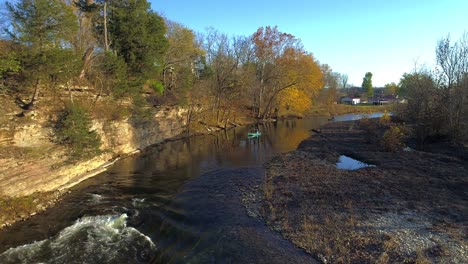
350	117
142	188
347	163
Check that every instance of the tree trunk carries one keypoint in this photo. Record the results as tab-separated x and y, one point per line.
270	101
35	95
106	40
70	92
86	60
260	95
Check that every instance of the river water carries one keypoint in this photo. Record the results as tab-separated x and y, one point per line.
129	214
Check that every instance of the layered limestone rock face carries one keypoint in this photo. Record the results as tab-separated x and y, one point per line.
34	135
48	170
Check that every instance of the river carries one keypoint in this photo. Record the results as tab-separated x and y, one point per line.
132	213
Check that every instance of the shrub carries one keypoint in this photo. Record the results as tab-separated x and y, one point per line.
110	110
370	127
141	110
385	119
157	86
392	139
73	129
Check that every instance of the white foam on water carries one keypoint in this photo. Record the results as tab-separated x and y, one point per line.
347	163
408	149
138	201
93	239
95	198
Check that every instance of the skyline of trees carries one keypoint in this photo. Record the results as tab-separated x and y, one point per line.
122	53
123	49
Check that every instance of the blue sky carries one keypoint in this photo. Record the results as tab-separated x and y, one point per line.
386	38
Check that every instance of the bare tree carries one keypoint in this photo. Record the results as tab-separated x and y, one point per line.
451	72
344	81
224	62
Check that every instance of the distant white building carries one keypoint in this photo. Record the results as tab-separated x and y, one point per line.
351	100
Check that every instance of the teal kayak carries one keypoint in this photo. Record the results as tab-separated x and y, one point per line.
254	134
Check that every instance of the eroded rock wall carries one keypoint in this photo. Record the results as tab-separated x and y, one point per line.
48	170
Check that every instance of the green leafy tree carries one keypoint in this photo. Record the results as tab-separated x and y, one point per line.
44	28
391	88
179	60
138	36
424	109
111	73
73	129
367	84
9	62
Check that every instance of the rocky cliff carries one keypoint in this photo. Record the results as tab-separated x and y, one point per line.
39	165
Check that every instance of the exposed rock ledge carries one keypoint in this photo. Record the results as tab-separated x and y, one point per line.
19	177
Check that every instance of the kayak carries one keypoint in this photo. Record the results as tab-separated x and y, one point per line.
254	134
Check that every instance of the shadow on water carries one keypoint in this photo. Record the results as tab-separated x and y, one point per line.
138	192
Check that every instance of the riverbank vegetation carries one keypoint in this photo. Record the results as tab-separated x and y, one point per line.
397	211
437	106
121	60
66	64
408	208
96	49
19	208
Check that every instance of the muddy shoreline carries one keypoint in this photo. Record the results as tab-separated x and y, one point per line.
231	230
411	207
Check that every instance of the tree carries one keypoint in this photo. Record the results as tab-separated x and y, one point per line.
451	74
367	84
93	20
111	72
44	28
391	89
138	36
73	129
179	60
330	81
343	81
281	64
424	109
295	100
302	77
224	63
9	62
85	42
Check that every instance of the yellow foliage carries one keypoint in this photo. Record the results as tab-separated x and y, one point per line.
287	71
300	69
385	119
392	139
294	100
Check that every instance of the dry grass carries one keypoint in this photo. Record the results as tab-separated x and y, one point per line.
391	213
331	234
110	110
27	153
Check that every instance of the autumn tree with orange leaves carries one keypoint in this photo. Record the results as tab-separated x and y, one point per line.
283	69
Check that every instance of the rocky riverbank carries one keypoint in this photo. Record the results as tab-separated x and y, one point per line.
411	206
34	172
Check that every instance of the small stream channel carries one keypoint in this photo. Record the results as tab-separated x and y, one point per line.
131	213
